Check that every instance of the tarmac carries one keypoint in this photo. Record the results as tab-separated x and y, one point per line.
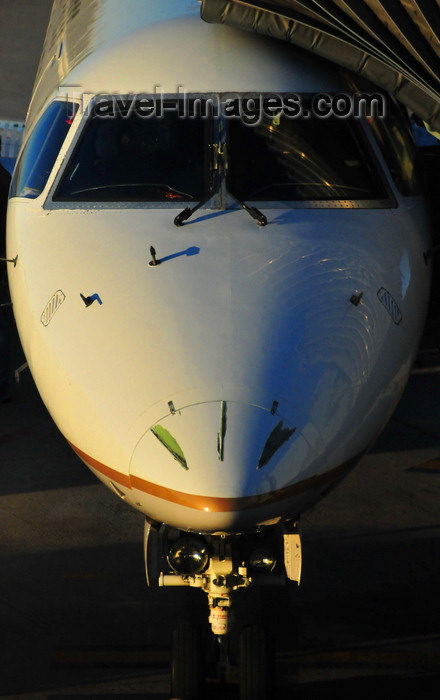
76	617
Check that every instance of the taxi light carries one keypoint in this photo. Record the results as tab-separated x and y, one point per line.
188	555
262	559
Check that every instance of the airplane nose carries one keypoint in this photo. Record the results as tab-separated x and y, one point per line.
215	457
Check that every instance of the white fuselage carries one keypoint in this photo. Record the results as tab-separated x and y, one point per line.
243	345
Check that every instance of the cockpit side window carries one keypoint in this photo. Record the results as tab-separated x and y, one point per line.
128	157
396	142
41	150
301	159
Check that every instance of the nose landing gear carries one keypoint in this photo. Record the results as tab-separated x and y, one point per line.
221	566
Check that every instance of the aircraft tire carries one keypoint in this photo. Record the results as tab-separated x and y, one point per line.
187	679
255	678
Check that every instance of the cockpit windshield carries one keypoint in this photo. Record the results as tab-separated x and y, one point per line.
128	155
300	159
185	150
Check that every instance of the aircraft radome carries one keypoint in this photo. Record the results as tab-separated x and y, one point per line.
219	276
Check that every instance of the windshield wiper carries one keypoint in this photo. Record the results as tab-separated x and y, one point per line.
213	171
189	211
253	211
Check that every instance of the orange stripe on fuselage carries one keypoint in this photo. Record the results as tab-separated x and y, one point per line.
212	503
112	474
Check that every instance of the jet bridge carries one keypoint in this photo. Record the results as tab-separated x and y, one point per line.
395	44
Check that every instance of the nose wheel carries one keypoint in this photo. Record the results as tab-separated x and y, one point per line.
256	674
187	668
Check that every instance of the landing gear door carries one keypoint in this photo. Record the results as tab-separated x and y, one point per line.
293	556
152	555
